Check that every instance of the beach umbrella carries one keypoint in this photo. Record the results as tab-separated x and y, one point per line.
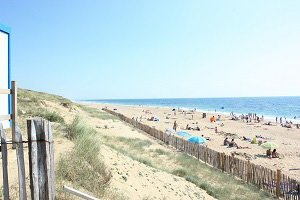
183	134
269	145
197	140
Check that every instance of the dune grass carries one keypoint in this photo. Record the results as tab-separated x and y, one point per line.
161	152
31	105
213	181
122	144
94	112
82	167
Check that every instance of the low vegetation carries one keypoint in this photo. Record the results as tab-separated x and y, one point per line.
94	112
82	167
213	181
32	104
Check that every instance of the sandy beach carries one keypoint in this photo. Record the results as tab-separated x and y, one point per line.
287	139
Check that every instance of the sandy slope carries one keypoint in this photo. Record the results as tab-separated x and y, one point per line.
138	181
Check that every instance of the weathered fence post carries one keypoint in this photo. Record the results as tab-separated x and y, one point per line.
248	171
41	159
4	164
278	183
21	164
14	114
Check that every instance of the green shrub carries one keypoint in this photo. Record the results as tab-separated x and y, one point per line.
161	152
78	129
51	116
180	172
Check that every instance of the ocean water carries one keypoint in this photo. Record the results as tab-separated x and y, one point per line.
270	107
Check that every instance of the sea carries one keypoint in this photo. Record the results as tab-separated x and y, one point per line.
269	107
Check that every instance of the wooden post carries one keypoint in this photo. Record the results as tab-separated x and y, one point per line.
205	154
41	159
223	161
21	165
278	183
4	164
14	96
248	171
33	165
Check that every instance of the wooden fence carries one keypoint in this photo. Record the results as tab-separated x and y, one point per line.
275	182
41	161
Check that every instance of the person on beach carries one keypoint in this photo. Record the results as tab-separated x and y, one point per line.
268	153
212	119
216	129
232	143
274	154
175	126
280	120
276	120
226	142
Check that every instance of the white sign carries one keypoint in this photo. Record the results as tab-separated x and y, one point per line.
4	74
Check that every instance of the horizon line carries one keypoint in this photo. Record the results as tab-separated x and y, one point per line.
182	98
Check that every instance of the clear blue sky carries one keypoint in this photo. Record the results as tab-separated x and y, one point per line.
151	49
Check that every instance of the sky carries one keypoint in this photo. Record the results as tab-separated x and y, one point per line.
155	49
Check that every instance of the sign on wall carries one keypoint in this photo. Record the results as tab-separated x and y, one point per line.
4	73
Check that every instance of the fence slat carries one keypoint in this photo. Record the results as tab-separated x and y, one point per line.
33	162
4	164
21	165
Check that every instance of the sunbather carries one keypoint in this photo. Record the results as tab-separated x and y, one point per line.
232	143
226	142
268	153
274	154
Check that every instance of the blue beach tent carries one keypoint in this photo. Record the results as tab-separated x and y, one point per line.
197	140
183	134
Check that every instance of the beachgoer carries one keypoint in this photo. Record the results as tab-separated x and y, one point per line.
216	129
188	127
268	153
254	141
175	125
280	120
226	142
232	143
274	154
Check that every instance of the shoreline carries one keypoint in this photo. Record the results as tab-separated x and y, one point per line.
267	118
